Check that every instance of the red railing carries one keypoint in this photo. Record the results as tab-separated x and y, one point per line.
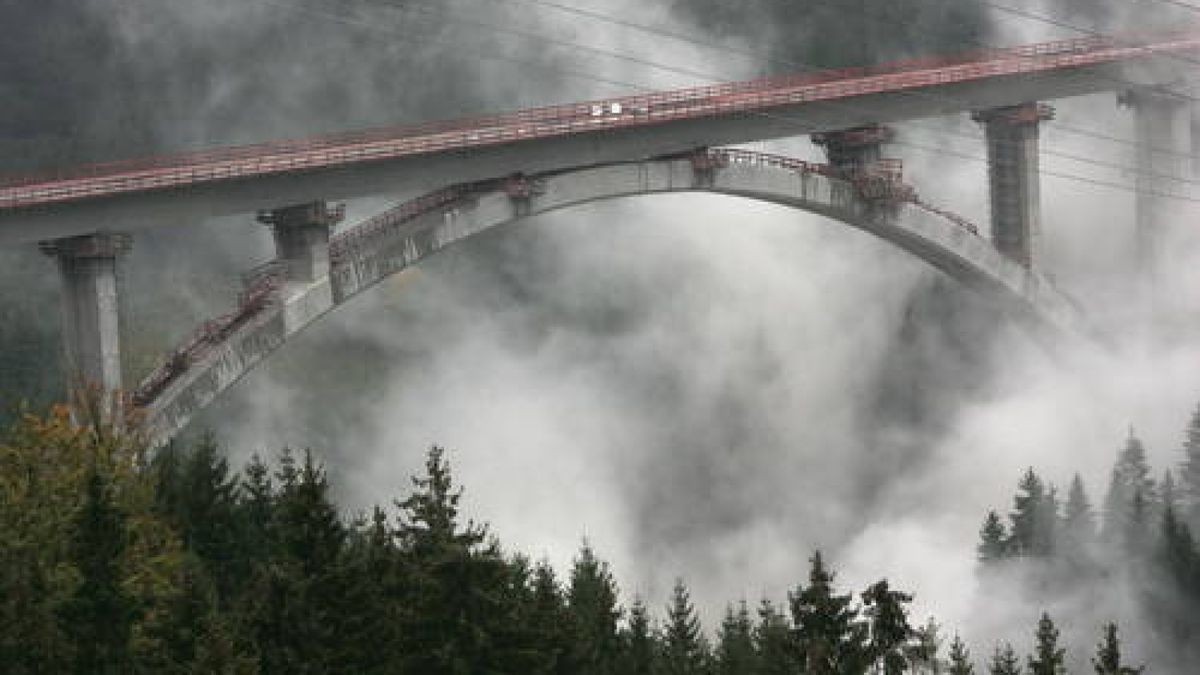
656	108
883	180
253	300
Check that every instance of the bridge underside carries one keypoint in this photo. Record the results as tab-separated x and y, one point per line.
402	237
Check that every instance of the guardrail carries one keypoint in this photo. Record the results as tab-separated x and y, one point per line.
639	110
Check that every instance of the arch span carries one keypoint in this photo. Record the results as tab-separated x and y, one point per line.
270	312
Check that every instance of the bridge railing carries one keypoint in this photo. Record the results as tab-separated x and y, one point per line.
276	156
362	234
259	293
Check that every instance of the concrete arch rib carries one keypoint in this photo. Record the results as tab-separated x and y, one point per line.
402	237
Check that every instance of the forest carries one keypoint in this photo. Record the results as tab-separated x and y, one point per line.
117	560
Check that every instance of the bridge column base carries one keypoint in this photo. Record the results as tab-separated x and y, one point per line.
302	239
851	151
1014	173
91	311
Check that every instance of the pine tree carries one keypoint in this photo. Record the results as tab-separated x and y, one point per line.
1048	658
890	632
735	642
684	649
1189	472
960	658
1033	517
547	617
993	540
592	605
1130	497
828	636
774	642
372	581
1079	523
640	643
1168	494
1004	661
206	514
1108	655
1178	556
457	584
98	617
924	653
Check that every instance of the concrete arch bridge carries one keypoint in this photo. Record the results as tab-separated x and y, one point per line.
314	273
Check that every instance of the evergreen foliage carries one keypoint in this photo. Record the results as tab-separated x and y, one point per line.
960	659
112	564
890	632
98	617
828	635
1048	658
684	649
594	615
1189	471
1004	661
735	643
993	539
1108	655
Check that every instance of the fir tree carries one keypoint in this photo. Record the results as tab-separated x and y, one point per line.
206	514
98	617
828	636
960	659
890	632
594	612
1004	661
735	642
640	643
684	649
1131	492
1178	556
1079	522
1168	492
1108	655
1033	517
457	584
1048	658
548	618
993	539
774	642
924	653
1189	472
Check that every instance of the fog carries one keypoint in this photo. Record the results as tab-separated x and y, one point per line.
699	386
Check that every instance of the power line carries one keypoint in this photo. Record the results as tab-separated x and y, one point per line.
807	67
374	27
691	39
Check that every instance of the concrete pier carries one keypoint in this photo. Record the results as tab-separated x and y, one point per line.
91	309
1163	131
302	239
853	150
1013	171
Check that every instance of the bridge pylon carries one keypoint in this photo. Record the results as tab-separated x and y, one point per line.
1014	176
1163	133
87	267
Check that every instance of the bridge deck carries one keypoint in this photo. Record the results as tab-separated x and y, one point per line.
142	193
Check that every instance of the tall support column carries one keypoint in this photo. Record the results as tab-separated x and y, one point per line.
91	309
853	150
1163	131
302	239
1013	171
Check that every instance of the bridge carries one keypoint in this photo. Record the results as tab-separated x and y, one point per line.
483	173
